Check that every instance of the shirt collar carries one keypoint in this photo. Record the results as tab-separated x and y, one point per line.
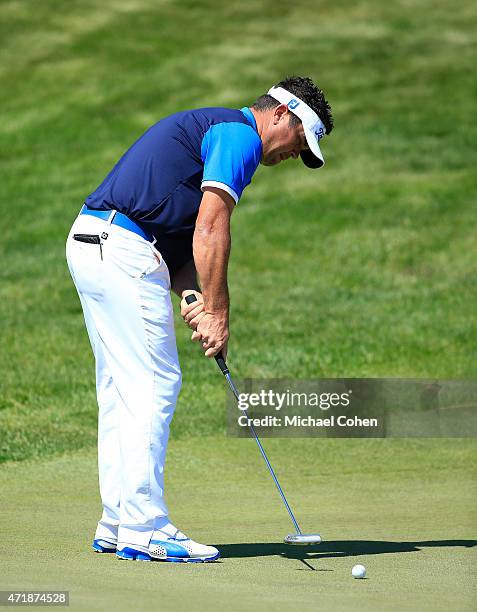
249	115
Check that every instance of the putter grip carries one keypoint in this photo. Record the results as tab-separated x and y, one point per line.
219	357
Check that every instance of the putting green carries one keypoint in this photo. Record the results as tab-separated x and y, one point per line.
405	509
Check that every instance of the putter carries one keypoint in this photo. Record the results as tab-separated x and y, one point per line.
298	538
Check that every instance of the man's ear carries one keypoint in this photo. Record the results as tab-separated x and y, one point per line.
279	111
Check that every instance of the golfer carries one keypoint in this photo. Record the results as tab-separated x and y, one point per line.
160	221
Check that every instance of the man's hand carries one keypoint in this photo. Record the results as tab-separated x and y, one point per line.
192	313
213	333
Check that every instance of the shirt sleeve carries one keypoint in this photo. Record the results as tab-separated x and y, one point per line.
231	153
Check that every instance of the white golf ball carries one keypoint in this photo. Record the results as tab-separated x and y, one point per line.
358	571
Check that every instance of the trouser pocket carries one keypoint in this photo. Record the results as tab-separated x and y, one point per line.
84	256
90	239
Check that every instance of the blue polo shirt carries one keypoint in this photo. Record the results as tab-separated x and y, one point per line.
158	182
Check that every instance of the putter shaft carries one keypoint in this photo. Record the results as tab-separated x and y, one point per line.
225	371
264	454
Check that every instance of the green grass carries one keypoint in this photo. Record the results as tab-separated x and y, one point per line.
418	554
367	268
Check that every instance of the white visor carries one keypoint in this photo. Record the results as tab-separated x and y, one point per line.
312	125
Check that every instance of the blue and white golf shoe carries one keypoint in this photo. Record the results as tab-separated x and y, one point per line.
163	547
104	546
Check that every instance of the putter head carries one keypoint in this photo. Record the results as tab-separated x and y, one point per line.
303	539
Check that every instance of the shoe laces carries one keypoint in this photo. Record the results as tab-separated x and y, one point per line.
177	537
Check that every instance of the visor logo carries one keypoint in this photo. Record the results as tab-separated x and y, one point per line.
293	104
319	133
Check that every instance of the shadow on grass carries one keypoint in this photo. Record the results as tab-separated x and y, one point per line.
338	548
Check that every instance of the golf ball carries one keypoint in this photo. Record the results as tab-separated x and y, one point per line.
358	571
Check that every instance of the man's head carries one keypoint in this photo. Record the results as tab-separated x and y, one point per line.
293	116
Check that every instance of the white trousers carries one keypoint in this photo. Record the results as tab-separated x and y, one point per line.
124	288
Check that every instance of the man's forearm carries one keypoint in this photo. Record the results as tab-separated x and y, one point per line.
211	255
211	247
185	278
